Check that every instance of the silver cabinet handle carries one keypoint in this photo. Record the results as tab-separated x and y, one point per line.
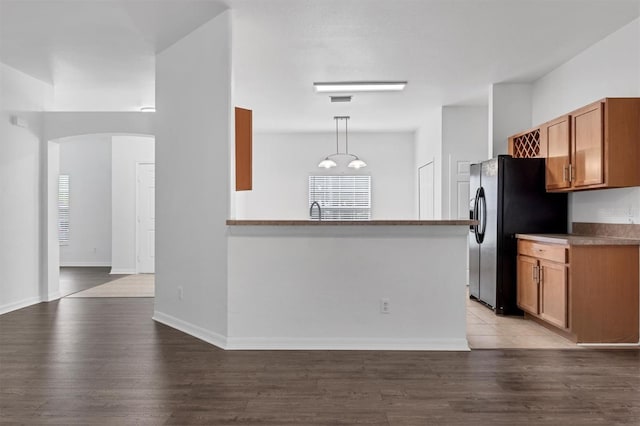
564	172
541	279
535	273
570	172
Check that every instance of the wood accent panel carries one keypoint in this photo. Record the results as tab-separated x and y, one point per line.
552	252
604	283
588	145
553	293
527	291
622	141
556	136
244	142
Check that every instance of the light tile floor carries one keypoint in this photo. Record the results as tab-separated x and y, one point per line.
486	330
139	285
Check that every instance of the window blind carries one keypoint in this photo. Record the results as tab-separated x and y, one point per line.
343	197
63	209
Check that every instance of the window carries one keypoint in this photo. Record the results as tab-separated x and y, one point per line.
63	209
344	197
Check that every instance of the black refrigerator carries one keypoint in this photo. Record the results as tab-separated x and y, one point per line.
508	196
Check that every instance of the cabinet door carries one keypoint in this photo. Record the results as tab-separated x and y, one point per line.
527	291
553	293
588	146
556	136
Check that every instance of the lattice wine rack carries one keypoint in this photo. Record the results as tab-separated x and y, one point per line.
527	145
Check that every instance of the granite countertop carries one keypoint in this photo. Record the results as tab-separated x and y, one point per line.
579	240
350	222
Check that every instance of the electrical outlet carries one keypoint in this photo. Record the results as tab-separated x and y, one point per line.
180	292
384	306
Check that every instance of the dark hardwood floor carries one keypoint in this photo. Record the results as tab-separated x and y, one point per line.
75	279
104	361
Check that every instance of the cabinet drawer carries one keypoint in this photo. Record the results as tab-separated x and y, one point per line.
552	252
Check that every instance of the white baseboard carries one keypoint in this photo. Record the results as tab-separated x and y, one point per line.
71	263
121	271
338	344
262	343
10	307
609	345
52	296
193	330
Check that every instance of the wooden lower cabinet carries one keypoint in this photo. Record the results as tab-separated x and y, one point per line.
528	289
589	292
554	302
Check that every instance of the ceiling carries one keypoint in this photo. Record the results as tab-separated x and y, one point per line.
100	54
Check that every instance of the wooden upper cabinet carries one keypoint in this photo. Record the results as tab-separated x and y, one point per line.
597	146
587	167
622	142
244	139
556	137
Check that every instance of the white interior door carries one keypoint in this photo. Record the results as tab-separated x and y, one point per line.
460	172
146	218
459	188
425	192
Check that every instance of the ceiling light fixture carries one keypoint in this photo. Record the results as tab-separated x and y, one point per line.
356	163
148	109
360	86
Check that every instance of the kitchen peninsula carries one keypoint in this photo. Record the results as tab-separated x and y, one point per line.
392	285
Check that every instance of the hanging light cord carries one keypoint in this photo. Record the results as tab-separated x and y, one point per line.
337	149
346	134
328	163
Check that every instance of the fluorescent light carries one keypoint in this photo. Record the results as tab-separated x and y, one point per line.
361	86
148	109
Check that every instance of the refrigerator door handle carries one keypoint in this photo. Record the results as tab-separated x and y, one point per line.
483	223
474	214
481	218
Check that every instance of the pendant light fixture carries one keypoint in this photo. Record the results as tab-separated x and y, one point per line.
356	163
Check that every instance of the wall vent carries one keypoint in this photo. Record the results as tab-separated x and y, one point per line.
340	98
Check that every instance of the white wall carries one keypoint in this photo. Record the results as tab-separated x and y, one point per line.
306	287
87	161
192	175
609	68
126	153
509	113
282	163
20	194
64	124
464	141
51	245
428	148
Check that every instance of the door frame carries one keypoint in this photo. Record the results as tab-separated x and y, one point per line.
137	184
433	200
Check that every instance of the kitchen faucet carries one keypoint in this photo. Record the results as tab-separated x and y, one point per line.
315	203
